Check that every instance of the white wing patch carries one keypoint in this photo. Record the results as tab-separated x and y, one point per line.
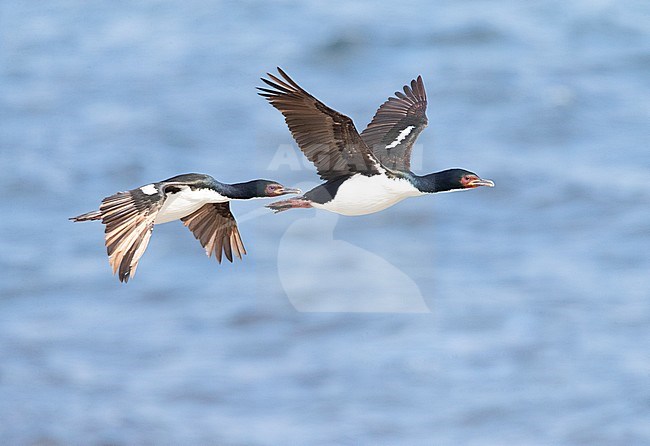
149	189
403	134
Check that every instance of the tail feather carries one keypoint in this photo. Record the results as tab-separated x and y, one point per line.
291	203
88	216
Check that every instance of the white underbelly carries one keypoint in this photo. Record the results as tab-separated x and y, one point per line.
362	195
183	203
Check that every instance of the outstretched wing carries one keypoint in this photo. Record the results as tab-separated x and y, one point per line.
129	219
326	137
396	125
215	227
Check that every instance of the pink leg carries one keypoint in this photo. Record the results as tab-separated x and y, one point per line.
291	203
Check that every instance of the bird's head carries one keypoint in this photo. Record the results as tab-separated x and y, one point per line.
458	179
266	188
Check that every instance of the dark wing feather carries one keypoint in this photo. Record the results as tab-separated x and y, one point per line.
396	125
326	137
215	227
129	219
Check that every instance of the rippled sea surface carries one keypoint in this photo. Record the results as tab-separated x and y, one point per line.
515	315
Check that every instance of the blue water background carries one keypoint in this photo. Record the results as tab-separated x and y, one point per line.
538	290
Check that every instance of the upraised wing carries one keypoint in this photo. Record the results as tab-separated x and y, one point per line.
328	138
396	125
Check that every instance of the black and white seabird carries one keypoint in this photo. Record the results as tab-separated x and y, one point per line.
367	172
199	201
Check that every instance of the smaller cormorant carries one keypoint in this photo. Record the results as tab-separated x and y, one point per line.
198	200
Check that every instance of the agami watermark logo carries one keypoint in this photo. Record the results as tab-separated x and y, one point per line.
320	273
